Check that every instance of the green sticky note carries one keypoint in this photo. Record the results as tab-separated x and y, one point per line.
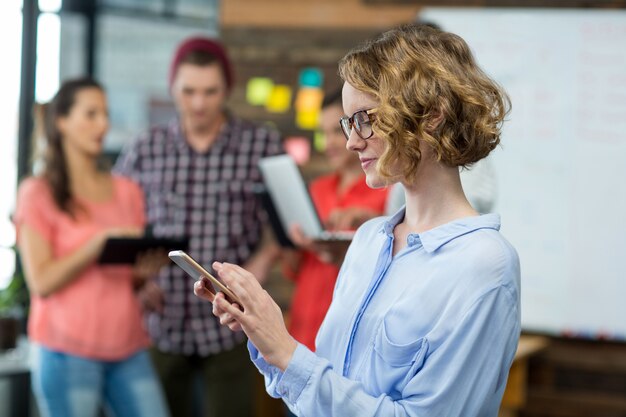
258	90
319	141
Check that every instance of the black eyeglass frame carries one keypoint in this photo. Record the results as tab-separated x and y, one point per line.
348	123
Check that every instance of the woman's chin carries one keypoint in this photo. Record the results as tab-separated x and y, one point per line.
375	181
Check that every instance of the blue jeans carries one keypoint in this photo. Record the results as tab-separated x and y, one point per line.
71	386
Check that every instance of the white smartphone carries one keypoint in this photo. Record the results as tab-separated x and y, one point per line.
196	271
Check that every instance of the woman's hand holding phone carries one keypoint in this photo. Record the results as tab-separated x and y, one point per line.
242	304
261	318
203	289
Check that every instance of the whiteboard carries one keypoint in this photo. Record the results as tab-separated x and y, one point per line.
561	169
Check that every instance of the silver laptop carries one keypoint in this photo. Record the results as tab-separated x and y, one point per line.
292	200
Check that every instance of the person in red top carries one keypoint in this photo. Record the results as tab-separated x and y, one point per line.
85	320
343	201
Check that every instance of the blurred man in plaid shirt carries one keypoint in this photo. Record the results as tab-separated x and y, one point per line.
199	174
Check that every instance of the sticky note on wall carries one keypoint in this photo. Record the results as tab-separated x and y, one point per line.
307	119
258	90
311	77
319	141
308	99
279	100
299	148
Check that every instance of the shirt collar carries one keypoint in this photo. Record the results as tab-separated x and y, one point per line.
435	238
176	132
223	136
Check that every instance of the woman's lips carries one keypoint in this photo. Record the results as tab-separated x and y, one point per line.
366	162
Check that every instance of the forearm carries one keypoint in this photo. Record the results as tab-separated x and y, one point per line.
291	260
311	387
463	377
45	277
266	255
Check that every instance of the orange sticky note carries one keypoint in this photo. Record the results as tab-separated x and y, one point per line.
309	99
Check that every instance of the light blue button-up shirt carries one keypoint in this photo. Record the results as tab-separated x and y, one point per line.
429	332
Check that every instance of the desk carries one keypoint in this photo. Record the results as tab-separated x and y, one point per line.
516	387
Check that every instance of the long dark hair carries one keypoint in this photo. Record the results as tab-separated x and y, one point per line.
55	170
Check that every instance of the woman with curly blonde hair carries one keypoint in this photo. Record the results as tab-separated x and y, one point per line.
425	316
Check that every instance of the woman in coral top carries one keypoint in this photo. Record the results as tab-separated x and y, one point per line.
343	201
85	320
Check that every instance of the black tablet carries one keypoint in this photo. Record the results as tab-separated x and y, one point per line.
125	250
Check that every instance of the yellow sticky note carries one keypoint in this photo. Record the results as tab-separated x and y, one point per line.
309	99
307	119
258	90
279	100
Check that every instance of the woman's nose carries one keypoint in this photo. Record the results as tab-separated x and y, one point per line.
355	142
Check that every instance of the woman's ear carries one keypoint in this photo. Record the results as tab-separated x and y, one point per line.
61	124
435	121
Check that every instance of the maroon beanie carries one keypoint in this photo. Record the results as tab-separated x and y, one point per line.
204	45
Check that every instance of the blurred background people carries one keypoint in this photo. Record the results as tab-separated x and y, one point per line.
199	173
343	201
85	319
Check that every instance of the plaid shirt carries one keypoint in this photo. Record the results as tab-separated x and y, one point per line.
208	197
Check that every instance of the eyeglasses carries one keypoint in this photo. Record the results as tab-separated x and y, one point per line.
361	121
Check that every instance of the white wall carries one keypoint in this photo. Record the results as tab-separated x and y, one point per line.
562	165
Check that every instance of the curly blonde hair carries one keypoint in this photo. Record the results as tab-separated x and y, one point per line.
430	91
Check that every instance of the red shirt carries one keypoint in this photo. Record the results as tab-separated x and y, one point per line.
315	279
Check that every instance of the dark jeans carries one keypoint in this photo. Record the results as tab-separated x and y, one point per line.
227	383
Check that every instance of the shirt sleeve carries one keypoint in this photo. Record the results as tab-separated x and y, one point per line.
459	378
35	208
274	143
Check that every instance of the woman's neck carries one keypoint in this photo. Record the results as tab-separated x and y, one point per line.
435	199
82	170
